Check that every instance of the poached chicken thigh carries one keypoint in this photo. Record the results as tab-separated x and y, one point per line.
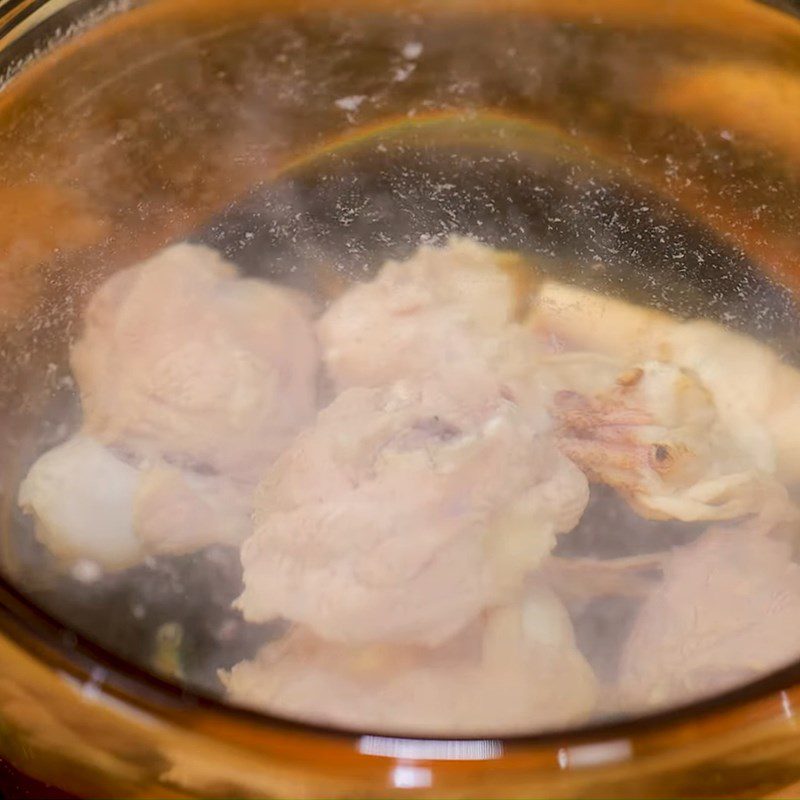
450	314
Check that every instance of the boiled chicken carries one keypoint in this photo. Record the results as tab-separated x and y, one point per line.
191	380
658	437
89	503
182	360
725	613
449	313
177	511
401	515
81	496
757	395
515	669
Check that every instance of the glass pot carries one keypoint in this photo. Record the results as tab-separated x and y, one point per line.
654	145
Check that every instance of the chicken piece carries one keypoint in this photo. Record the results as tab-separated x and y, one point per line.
179	511
756	395
81	496
90	504
518	670
657	438
725	613
199	379
447	313
587	321
183	361
400	516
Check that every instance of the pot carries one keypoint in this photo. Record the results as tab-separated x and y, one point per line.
645	150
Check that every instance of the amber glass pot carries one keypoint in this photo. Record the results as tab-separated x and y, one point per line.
666	136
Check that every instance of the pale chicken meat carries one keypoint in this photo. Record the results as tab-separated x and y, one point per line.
180	359
90	504
756	394
81	497
658	437
191	381
399	516
514	669
725	613
178	511
449	313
